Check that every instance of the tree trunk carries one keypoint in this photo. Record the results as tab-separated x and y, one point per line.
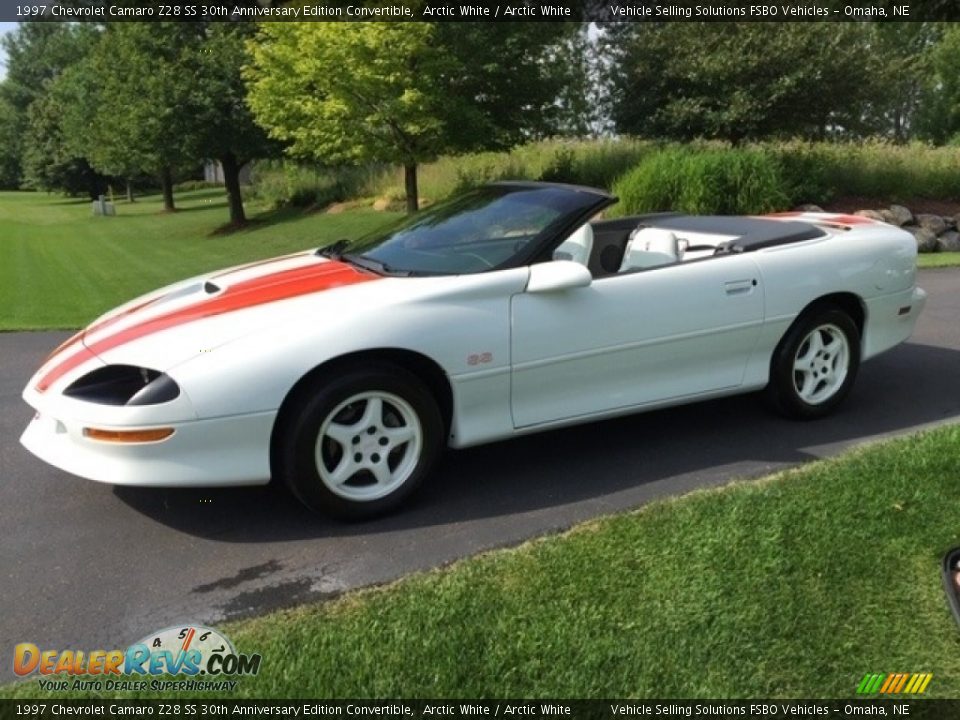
410	183
231	179
166	181
129	191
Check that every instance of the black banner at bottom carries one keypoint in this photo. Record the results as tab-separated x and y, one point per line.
472	709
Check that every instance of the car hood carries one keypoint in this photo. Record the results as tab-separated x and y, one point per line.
164	328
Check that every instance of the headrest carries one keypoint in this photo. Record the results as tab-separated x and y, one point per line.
577	246
649	247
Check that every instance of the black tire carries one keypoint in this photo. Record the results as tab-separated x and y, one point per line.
300	449
827	389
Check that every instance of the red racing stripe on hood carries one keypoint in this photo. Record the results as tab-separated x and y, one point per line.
249	293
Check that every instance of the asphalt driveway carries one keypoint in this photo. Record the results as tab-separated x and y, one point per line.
91	566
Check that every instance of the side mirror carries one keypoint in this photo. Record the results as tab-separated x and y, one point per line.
557	275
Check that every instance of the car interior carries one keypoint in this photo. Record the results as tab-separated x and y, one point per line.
612	247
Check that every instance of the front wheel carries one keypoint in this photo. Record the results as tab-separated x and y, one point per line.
359	444
815	364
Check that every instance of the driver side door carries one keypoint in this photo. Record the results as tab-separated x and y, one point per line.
634	339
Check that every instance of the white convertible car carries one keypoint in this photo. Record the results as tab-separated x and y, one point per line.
509	310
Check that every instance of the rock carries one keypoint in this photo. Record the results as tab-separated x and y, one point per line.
382	204
949	241
336	208
933	223
888	216
810	207
872	214
901	215
926	240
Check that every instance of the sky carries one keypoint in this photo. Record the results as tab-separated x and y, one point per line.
5	27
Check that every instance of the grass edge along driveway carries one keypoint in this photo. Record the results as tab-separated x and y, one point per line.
790	586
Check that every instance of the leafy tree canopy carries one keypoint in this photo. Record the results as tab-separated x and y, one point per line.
737	81
404	92
168	95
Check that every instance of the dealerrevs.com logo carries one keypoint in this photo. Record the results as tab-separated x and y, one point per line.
191	650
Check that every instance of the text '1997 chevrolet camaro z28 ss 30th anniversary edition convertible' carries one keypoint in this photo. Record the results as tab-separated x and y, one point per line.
508	310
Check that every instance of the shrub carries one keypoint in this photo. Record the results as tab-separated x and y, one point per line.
189	185
562	169
878	169
703	179
290	184
807	171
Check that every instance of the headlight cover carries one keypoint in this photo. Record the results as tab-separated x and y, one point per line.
124	385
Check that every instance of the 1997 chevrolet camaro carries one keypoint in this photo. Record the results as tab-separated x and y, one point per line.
508	310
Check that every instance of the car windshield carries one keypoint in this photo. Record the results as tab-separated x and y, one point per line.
493	227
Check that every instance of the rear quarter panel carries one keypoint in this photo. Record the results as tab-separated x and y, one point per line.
872	261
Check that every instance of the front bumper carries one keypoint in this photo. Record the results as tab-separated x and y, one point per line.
231	450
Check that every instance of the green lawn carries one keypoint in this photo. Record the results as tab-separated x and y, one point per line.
938	260
793	586
60	267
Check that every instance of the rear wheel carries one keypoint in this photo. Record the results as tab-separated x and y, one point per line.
815	364
358	445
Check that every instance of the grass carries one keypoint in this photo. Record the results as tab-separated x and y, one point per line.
793	586
60	267
938	260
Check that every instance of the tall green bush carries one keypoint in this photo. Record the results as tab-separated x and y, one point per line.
700	180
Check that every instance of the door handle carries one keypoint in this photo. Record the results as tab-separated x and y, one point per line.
739	287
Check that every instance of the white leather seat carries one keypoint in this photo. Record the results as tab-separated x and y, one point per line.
577	247
650	247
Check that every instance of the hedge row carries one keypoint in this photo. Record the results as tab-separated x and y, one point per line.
711	178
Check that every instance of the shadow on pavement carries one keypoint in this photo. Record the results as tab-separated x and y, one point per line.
590	461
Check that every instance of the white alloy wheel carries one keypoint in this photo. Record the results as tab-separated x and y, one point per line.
815	364
368	446
821	364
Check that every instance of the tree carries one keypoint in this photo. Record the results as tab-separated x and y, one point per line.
403	93
224	125
51	158
168	95
737	81
37	53
901	66
142	100
940	114
10	171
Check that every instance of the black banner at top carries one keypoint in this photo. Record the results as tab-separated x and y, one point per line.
212	707
480	10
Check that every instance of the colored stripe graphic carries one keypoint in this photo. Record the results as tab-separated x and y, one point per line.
894	683
256	291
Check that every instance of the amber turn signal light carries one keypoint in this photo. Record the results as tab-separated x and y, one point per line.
128	436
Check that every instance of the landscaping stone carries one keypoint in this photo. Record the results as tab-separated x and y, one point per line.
949	241
889	216
933	223
872	214
810	207
902	216
926	240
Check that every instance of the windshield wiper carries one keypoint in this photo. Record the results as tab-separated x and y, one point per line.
334	250
368	263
